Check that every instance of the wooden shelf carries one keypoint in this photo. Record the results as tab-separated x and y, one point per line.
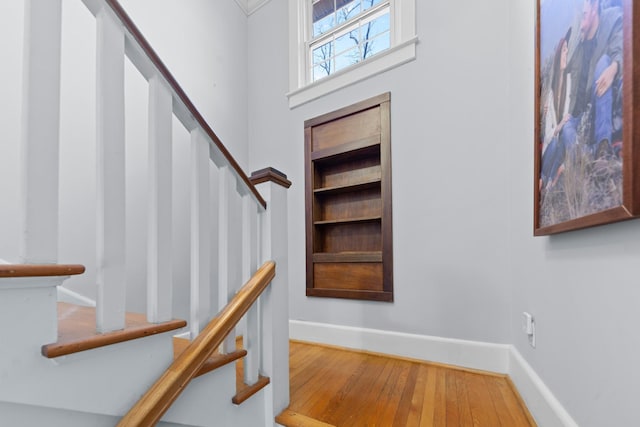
361	147
348	220
338	189
373	256
351	294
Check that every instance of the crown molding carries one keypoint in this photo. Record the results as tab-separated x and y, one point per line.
250	6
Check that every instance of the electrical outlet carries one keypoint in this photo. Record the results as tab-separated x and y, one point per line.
529	328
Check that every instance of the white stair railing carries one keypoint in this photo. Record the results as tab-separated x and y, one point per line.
260	235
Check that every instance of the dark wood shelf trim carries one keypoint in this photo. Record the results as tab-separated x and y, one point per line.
249	390
39	270
348	220
364	185
351	294
355	108
77	330
374	256
346	149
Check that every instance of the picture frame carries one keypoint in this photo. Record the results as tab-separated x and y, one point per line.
587	102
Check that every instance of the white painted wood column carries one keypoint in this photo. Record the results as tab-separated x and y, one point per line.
110	310
249	266
159	259
40	131
226	186
275	300
200	232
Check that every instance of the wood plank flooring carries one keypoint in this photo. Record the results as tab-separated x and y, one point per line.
337	387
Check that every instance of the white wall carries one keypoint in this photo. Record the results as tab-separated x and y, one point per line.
466	264
449	167
582	286
203	43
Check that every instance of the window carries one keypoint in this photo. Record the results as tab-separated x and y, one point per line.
335	43
347	32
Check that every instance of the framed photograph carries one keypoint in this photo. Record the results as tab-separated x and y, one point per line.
587	96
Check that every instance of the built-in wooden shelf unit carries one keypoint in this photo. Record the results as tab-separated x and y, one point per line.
349	250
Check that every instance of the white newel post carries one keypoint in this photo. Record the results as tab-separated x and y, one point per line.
110	310
40	132
274	308
200	232
159	261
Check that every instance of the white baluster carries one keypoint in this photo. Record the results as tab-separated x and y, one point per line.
249	266
110	310
159	260
200	232
226	186
40	129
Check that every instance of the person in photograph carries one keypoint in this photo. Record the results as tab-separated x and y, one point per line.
596	68
556	114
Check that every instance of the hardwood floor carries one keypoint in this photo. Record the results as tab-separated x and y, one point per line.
337	387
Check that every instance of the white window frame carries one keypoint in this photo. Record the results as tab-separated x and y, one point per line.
402	50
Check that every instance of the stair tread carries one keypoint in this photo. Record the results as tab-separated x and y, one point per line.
245	391
77	330
289	418
40	270
214	362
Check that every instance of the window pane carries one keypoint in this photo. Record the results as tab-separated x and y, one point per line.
348	11
322	70
323	53
322	8
366	4
323	25
377	26
347	58
377	45
347	41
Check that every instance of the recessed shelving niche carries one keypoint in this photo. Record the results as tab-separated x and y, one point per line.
348	202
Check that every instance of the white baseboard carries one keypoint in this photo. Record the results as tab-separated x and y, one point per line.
499	358
71	297
469	354
543	405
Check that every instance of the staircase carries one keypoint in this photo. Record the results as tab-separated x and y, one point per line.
68	364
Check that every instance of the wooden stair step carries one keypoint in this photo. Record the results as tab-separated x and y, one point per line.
214	362
77	330
245	391
289	418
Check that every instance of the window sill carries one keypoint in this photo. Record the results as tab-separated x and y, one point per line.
382	62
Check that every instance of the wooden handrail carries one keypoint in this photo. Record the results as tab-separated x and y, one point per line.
135	33
157	400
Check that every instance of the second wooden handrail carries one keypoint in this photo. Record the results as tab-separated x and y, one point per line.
157	400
